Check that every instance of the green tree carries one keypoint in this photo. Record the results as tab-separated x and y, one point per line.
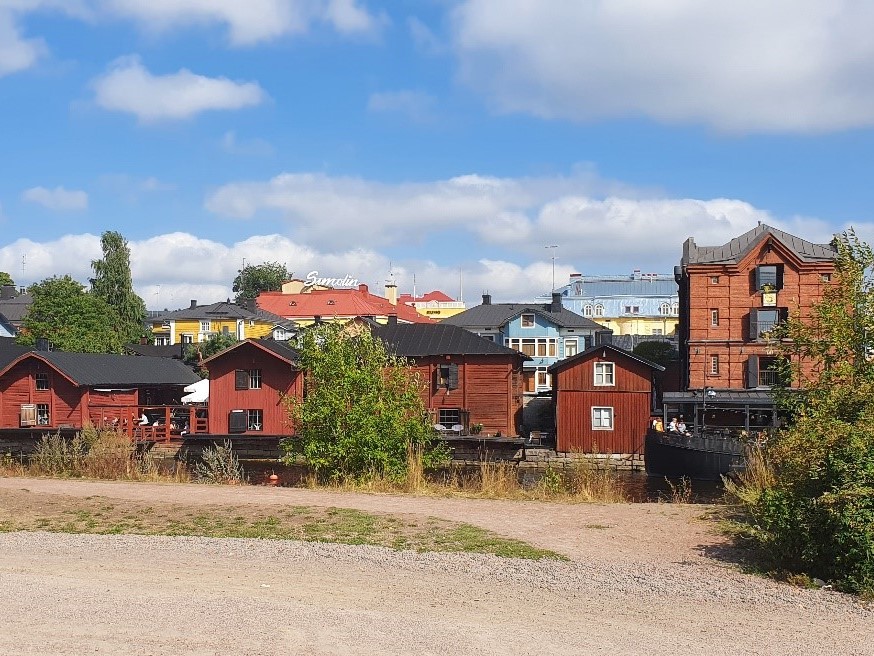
113	283
197	353
253	279
662	353
362	413
6	279
74	320
812	505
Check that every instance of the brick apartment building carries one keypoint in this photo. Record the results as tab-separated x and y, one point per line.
732	296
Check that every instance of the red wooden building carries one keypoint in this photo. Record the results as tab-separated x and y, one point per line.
56	390
603	400
247	385
468	380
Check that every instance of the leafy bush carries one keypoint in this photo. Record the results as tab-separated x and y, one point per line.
361	412
219	464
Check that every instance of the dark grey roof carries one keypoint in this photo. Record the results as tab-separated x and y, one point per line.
495	315
97	369
159	351
222	309
14	309
280	349
9	350
282	322
737	248
722	397
423	339
561	364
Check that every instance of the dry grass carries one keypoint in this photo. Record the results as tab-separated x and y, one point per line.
93	453
749	484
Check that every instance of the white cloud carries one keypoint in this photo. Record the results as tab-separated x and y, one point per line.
129	87
17	53
416	105
600	225
779	66
58	199
249	22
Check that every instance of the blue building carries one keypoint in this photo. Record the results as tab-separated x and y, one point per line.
640	304
546	332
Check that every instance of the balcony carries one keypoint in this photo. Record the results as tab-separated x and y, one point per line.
768	378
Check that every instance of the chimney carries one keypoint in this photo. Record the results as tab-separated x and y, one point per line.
193	303
636	275
143	340
392	319
42	344
7	292
391	293
363	289
555	306
487	299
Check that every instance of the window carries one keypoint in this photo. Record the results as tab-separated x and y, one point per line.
714	365
187	338
770	276
447	376
204	326
675	309
714	280
487	336
714	317
42	414
254	420
602	418
542	377
542	347
162	340
527	321
826	277
632	309
604	373
665	309
657	331
449	417
587	310
42	381
599	310
247	379
570	347
764	320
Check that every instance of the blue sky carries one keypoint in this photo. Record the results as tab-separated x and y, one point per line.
424	137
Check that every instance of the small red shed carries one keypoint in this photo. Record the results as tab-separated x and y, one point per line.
603	400
247	385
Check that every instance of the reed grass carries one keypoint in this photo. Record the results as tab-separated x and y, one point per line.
748	485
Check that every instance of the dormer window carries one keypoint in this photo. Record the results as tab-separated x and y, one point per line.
599	310
527	320
587	310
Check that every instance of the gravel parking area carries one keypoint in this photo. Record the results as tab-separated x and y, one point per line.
644	578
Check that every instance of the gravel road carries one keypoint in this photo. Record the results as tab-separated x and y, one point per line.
643	579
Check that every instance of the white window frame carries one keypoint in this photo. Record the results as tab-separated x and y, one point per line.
524	317
605	372
599	310
714	280
602	417
714	364
657	331
587	310
714	317
571	345
254	378
665	309
186	338
205	326
43	414
542	378
42	376
255	419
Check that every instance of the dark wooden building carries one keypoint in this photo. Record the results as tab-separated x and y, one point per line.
55	390
468	379
247	387
603	400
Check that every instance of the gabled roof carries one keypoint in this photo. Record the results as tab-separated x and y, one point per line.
497	314
569	362
93	369
420	340
15	308
220	310
327	303
735	250
278	349
435	295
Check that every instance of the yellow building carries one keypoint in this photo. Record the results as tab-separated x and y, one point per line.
198	323
434	305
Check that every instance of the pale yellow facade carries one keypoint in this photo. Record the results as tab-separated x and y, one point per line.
194	331
639	325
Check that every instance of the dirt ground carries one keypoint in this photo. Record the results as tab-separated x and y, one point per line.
643	578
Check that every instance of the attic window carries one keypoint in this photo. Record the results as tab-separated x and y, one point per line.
293	303
331	301
528	320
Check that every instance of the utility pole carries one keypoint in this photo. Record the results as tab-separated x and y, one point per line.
552	248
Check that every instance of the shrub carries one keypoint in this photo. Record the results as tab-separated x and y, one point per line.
219	464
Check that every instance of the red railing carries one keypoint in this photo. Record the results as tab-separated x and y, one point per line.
152	423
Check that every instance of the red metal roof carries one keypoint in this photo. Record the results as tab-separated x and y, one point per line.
436	295
327	303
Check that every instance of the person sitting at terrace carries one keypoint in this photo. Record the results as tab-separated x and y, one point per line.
681	426
144	419
658	425
673	427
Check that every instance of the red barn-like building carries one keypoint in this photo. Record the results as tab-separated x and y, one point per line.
603	400
247	385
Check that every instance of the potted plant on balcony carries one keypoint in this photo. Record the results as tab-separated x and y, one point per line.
476	429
